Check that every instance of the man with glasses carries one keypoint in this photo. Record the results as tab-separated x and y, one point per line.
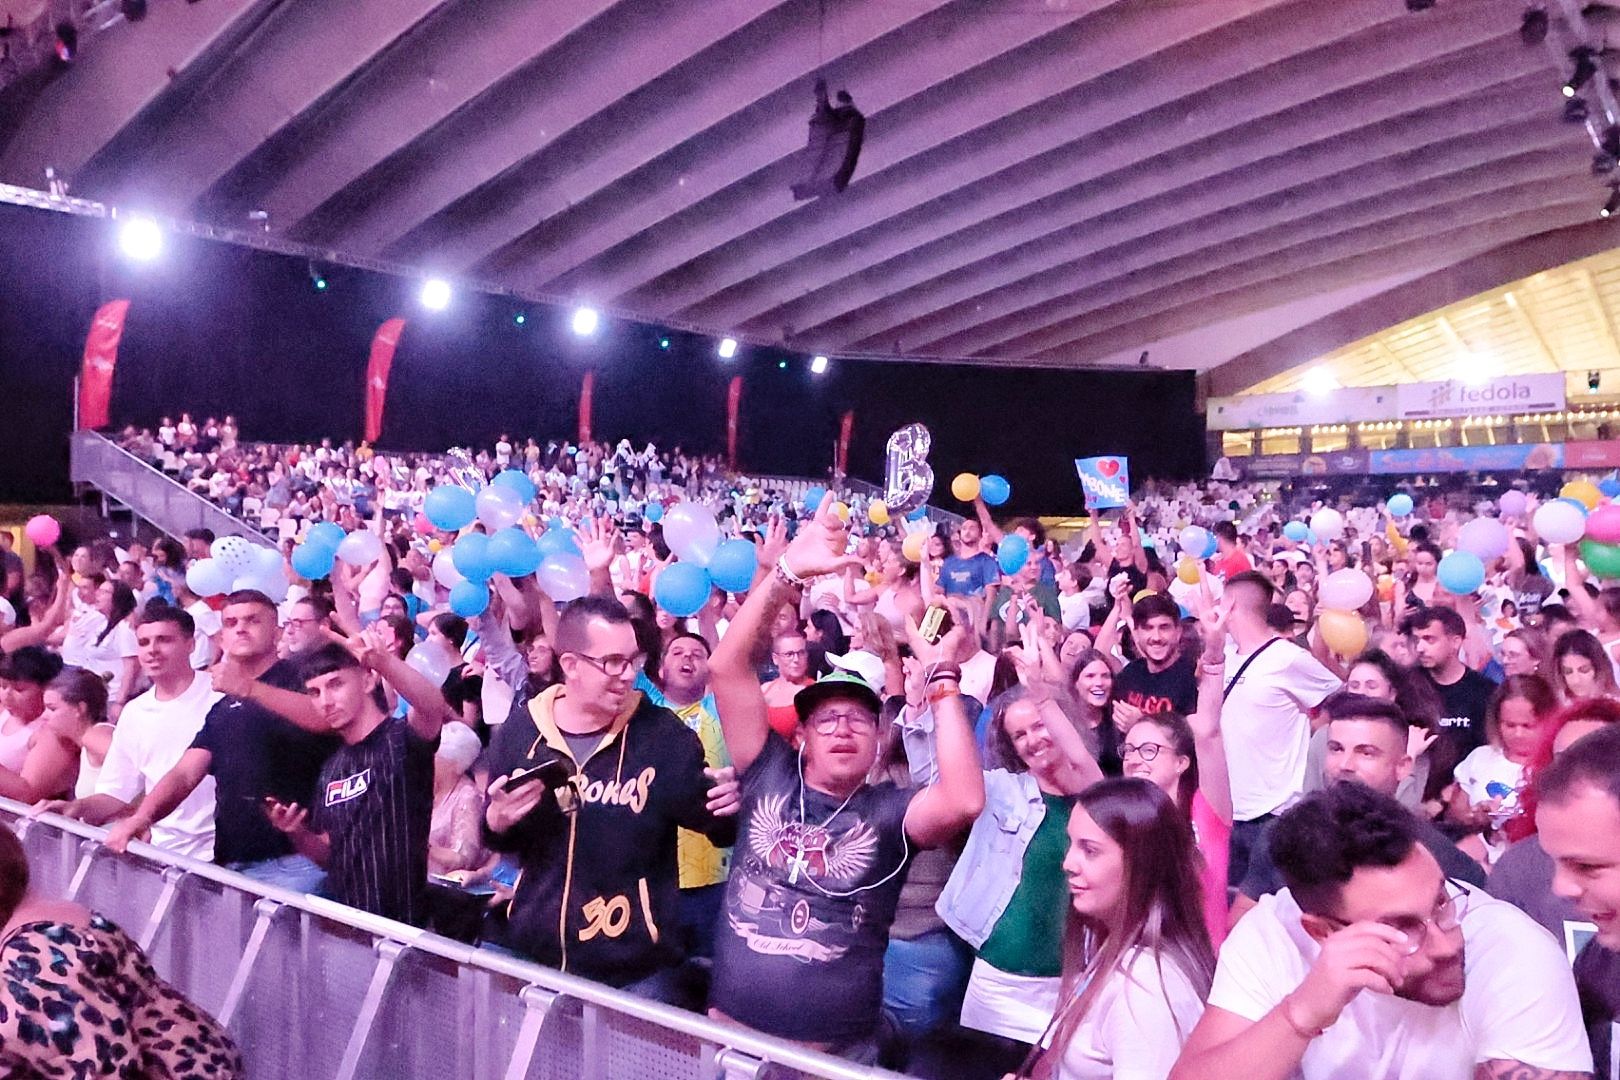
1372	964
790	652
822	851
595	829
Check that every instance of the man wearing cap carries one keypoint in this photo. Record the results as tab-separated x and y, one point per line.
821	851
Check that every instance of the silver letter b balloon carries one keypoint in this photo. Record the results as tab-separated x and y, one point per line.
908	478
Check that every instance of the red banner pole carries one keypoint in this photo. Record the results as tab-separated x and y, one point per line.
586	388
383	345
100	358
846	429
733	412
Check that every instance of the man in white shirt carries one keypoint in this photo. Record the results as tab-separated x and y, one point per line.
1272	684
1372	965
155	729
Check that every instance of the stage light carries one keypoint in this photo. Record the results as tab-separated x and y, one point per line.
728	348
520	318
1320	382
435	294
781	365
663	343
67	42
1533	26
141	239
1611	207
585	321
1585	68
1594	380
818	365
316	278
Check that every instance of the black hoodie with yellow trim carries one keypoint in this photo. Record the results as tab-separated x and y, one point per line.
598	891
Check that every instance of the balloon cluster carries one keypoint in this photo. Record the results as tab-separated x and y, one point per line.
704	560
1342	596
235	563
993	489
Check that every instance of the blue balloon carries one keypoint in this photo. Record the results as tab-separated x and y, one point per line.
469	598
514	479
558	541
733	564
470	555
654	512
1296	531
994	489
813	497
1577	504
512	552
1210	546
1609	486
682	589
325	534
1012	553
312	561
450	507
1399	505
1186	612
918	514
1460	573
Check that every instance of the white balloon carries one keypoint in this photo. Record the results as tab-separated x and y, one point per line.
360	548
1346	590
234	554
1327	524
499	507
431	661
564	576
444	570
206	577
268	562
1558	522
691	532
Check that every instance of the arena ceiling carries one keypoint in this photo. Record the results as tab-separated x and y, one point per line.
1236	186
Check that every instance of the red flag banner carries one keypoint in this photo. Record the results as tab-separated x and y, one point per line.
586	387
382	360
846	429
733	410
100	358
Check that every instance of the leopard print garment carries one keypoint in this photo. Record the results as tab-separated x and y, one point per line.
79	1002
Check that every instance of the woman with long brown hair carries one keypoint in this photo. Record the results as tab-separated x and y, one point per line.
1137	961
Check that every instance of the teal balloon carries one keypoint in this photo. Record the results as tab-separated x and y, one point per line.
450	507
994	489
325	534
1012	553
733	565
654	512
471	557
514	479
813	497
469	598
1461	573
1296	531
1602	559
558	541
514	553
1399	505
312	561
682	589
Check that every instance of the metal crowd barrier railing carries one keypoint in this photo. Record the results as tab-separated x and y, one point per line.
310	988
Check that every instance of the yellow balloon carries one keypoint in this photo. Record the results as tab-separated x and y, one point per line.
965	487
841	510
878	513
1343	631
1395	538
1187	571
912	547
435	547
1582	491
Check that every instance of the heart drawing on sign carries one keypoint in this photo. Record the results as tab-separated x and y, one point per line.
1108	467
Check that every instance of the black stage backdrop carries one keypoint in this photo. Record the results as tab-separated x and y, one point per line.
217	329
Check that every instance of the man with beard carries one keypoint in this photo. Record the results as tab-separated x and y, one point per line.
1372	964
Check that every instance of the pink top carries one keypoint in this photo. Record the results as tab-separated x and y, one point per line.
1212	835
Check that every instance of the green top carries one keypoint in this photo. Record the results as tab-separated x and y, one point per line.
1028	938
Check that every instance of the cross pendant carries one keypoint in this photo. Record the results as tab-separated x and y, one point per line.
795	865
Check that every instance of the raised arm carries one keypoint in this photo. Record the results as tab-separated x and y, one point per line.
1041	672
1108	634
942	810
992	531
1214	782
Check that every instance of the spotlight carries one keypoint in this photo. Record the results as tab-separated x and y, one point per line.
1594	380
1611	207
663	343
1575	110
818	365
316	278
133	10
67	42
141	239
1533	27
728	348
1320	382
1585	68
520	318
781	365
585	321
435	294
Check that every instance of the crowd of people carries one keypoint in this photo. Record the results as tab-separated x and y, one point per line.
1109	813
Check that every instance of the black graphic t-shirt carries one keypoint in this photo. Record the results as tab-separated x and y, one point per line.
1462	710
375	803
1175	689
799	950
256	753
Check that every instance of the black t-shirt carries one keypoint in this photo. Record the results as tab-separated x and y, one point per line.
376	807
1462	710
1175	689
789	959
1263	877
1597	977
256	753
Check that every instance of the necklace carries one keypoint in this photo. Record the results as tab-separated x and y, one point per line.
801	858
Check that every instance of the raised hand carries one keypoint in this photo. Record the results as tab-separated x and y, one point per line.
819	547
598	542
725	793
289	818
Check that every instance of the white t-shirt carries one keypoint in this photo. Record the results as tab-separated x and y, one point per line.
1484	767
106	657
1519	1003
150	738
1137	1025
208	623
1076	611
978	674
1265	727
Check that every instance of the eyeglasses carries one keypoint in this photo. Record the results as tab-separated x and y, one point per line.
1447	916
614	666
793	654
1146	751
860	723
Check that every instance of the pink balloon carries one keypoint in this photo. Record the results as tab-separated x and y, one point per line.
43	530
423	525
1603	524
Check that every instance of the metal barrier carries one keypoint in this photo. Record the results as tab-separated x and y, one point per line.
148	492
310	988
796	487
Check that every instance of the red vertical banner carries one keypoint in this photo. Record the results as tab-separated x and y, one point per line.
100	358
382	361
587	387
846	429
733	412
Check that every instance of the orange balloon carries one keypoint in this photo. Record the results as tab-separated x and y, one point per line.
877	513
965	487
1187	571
1343	631
912	546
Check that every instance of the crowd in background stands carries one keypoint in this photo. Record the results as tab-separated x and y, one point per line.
1122	811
